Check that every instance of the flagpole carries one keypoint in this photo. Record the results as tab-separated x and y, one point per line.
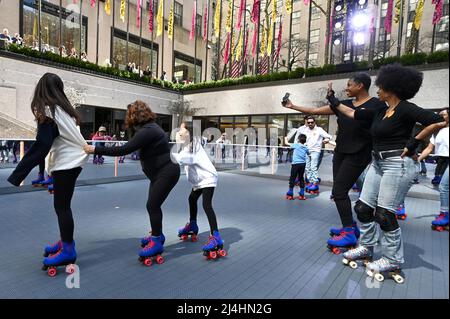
290	35
151	44
39	26
218	43
60	27
111	51
230	62
400	30
308	37
98	28
81	25
273	46
195	43
173	40
245	34
140	39
128	32
433	38
162	41
257	46
207	39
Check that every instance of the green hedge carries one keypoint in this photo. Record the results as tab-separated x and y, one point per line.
327	69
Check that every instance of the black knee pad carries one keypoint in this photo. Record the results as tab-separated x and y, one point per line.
386	219
364	212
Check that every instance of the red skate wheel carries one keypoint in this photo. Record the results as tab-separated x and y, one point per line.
148	262
212	255
160	259
222	253
70	269
184	237
439	228
51	272
194	238
336	251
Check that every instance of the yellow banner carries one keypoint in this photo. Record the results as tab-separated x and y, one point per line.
170	31
230	11
123	6
217	18
240	45
398	5
419	13
263	42
270	41
160	18
108	7
274	10
289	6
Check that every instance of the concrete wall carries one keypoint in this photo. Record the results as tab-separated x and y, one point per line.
19	78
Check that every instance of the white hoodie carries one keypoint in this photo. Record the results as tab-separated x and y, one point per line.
200	172
67	149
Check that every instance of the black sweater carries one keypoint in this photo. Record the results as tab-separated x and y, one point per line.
46	134
394	132
153	146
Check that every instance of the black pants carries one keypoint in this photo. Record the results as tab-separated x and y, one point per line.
64	186
297	170
346	170
160	187
441	165
42	167
208	194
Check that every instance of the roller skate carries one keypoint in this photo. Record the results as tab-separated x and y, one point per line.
65	256
191	229
95	160
401	213
152	251
38	182
146	240
122	159
290	194
314	189
52	248
214	248
436	180
51	189
307	187
301	194
47	182
100	160
355	188
378	268
360	253
337	231
441	222
344	241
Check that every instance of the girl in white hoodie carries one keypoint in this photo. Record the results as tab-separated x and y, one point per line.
202	174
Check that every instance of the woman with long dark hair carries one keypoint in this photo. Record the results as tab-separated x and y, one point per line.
393	168
60	143
154	153
351	156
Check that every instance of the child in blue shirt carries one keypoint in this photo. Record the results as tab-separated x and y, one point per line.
298	167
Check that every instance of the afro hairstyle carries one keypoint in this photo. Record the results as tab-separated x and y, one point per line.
402	81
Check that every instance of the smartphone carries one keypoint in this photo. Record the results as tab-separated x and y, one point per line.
285	98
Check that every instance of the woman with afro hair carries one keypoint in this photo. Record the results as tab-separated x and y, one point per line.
393	167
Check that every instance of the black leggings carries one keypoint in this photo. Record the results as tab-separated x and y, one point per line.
346	170
297	170
442	163
208	194
42	167
64	186
160	187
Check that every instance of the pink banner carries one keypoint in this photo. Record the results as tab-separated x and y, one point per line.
226	55
194	15
150	16
388	18
306	2
138	17
330	35
246	45
437	11
241	10
92	3
255	11
205	23
254	40
280	34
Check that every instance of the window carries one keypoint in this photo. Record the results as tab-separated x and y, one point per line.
313	59
296	36
50	28
120	52
315	13
441	36
178	14
384	7
296	17
409	29
412	5
314	36
184	68
198	25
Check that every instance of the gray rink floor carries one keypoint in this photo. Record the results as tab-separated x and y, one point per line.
277	248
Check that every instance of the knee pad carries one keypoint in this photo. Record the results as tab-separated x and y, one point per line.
364	212
386	219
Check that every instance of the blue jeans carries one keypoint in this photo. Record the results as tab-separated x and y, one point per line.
443	191
312	167
386	184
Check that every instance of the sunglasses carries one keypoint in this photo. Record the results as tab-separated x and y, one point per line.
310	122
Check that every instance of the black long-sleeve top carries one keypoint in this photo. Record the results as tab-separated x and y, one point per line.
153	146
393	133
46	134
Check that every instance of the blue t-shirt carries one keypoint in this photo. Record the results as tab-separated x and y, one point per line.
300	153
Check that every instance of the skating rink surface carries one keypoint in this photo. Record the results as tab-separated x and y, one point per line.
276	248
